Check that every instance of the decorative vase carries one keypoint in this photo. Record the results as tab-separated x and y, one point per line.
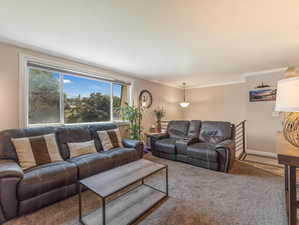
159	126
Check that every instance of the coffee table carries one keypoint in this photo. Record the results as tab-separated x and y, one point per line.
127	207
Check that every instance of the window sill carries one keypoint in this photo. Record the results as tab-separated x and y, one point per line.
118	123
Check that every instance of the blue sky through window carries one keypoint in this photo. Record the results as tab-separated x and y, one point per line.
117	90
74	86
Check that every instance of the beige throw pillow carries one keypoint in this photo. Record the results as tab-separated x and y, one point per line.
35	151
110	139
81	148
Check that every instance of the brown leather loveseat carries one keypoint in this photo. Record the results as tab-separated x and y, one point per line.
207	144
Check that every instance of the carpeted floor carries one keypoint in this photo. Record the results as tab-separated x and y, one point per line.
247	196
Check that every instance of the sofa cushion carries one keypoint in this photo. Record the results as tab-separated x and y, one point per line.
110	139
214	132
203	151
91	164
166	145
81	148
7	150
71	134
100	127
47	177
178	128
37	150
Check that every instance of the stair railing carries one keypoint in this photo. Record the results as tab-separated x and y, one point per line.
240	140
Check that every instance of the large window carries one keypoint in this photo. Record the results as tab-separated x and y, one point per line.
57	97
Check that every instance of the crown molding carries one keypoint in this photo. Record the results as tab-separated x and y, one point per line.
262	72
217	84
165	84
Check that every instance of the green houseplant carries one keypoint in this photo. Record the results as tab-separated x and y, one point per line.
133	115
160	114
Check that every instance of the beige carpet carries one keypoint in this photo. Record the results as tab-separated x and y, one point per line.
247	196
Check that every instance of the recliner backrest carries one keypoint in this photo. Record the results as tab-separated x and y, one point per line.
214	132
194	128
7	150
69	134
178	128
64	135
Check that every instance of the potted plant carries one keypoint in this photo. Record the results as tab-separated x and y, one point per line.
133	115
160	113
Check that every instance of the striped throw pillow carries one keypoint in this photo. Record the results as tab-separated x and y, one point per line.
81	148
35	151
110	139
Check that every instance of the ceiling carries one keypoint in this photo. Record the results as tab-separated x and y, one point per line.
170	41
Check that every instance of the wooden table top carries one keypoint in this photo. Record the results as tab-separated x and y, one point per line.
286	153
111	181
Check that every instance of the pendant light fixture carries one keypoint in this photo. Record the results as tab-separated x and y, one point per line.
184	104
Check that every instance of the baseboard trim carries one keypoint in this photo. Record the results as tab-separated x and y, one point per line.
261	153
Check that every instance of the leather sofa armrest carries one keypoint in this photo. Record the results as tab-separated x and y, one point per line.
191	140
226	151
10	175
159	136
156	137
182	144
9	168
138	145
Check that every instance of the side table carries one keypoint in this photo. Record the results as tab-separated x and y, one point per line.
288	155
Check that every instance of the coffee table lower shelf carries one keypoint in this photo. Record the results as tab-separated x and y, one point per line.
127	208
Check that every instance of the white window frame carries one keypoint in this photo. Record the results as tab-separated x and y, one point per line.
96	74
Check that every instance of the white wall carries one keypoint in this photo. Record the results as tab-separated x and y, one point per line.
231	103
9	88
222	103
261	125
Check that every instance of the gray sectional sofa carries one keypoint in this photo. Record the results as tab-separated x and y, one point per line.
23	192
207	144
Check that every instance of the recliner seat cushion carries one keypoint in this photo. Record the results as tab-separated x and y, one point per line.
46	178
203	151
91	164
121	156
166	145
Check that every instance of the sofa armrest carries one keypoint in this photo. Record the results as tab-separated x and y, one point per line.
138	145
191	140
9	168
10	175
226	151
156	137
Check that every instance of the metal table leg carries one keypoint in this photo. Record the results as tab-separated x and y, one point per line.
167	181
104	211
80	203
292	195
